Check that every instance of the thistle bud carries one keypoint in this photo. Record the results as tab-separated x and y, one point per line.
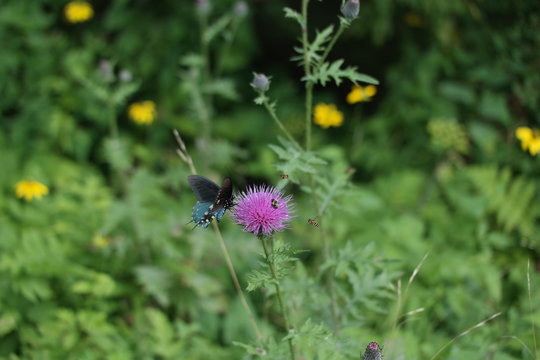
260	82
350	9
241	9
373	352
125	75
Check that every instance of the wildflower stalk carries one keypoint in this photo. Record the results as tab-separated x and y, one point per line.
183	154
480	324
343	24
226	46
307	71
234	277
111	114
274	116
271	266
533	327
308	120
329	279
120	180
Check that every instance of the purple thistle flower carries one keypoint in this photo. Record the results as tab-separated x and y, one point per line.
263	209
373	352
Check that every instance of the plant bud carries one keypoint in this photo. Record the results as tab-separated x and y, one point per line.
241	9
260	82
125	75
350	9
373	352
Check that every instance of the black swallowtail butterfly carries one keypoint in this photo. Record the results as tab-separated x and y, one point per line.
212	201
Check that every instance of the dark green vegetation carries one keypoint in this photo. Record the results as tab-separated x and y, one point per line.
105	267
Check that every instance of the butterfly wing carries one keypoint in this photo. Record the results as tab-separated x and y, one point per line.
201	215
224	196
204	189
212	200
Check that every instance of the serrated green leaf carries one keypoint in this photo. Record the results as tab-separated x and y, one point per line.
292	14
333	71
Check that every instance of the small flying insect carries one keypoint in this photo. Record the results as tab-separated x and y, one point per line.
275	203
313	222
284	176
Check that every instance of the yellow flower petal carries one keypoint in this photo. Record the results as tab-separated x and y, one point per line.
370	90
355	95
143	112
78	11
524	133
534	146
327	115
30	189
361	93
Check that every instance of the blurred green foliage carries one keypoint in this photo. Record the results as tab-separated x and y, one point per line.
104	267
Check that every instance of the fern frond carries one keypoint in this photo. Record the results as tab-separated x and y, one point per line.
510	199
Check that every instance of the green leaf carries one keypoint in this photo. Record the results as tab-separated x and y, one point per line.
217	28
222	87
334	71
155	281
292	14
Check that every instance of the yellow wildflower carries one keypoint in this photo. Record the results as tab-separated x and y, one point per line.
143	112
30	189
78	11
327	115
361	93
100	241
530	139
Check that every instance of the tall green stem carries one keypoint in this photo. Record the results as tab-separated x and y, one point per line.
326	254
271	266
272	113
235	280
307	71
111	115
342	26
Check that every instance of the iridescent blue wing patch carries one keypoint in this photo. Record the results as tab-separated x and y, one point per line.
220	214
202	215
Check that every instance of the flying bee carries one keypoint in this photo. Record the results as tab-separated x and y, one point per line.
275	203
313	222
284	176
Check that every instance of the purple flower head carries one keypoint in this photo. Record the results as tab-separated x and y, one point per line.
373	352
263	209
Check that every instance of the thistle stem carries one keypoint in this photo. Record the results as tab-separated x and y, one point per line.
342	26
309	107
307	72
271	266
235	280
329	279
111	114
274	116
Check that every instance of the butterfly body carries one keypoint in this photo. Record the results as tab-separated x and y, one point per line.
212	201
